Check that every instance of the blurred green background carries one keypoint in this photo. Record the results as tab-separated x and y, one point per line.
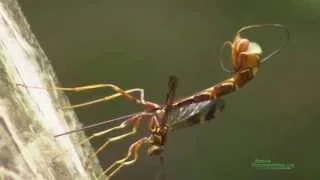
140	43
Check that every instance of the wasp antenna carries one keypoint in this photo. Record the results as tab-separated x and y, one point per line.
279	26
221	58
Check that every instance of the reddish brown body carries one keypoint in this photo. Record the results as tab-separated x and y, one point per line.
245	64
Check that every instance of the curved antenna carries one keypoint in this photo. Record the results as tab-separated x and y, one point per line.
99	124
221	58
279	26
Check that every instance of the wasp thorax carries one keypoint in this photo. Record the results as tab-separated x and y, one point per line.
155	150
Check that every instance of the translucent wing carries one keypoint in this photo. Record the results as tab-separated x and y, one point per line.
194	113
172	84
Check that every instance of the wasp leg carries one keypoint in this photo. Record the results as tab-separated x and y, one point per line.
135	123
119	92
130	159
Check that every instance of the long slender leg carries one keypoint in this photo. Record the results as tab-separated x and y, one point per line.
135	124
128	160
135	121
119	92
117	89
121	126
113	139
125	93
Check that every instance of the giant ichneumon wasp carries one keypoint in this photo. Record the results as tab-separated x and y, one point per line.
176	114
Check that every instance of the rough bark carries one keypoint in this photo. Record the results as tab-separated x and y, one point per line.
29	117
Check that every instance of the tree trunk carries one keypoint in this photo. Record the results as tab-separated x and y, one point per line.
29	117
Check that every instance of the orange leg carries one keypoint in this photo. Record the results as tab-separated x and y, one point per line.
128	160
135	123
119	92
